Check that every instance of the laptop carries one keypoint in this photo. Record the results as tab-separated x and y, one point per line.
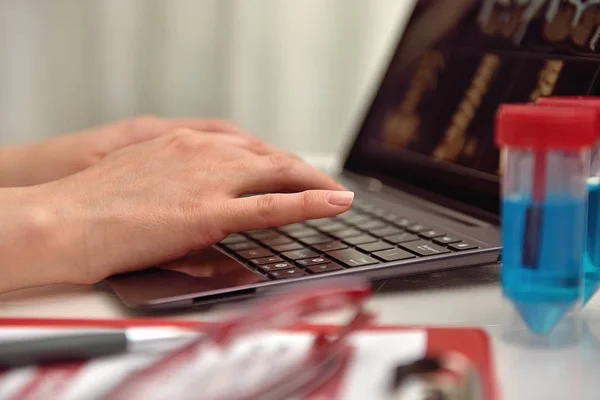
423	164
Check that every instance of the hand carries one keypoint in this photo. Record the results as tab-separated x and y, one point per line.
156	201
61	156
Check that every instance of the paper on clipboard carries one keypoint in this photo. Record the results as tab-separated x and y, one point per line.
364	376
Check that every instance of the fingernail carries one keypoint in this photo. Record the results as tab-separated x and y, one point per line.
340	198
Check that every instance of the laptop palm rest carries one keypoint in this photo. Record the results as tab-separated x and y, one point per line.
207	273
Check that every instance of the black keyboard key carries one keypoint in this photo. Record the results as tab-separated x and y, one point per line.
287	247
233	238
281	239
299	234
416	228
292	228
446	240
355	218
287	273
401	238
263	234
318	239
247	245
332	227
386	231
391	217
402	223
321	222
323	268
463	246
362	239
379	212
299	254
346	233
265	260
352	258
372	224
394	255
431	234
337	245
312	261
266	268
254	253
423	248
377	246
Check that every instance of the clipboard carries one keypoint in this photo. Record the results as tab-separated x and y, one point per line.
474	343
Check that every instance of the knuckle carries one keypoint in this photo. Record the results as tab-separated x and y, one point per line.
224	125
280	162
267	207
184	139
308	200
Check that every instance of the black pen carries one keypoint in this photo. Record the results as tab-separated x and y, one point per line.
83	345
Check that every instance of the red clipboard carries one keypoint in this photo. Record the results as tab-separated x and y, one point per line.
472	342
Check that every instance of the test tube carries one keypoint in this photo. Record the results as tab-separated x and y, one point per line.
591	256
544	195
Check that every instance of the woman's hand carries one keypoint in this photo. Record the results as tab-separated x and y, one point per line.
153	202
61	156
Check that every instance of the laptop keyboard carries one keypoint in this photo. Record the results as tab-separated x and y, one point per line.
364	235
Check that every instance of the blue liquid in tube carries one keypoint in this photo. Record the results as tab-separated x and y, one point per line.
544	294
591	258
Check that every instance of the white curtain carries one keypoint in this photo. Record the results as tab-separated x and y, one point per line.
294	71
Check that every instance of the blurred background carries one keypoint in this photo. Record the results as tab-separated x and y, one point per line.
295	72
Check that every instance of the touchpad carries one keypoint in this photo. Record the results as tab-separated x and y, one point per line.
199	273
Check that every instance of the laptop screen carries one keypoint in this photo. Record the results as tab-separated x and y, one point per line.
431	123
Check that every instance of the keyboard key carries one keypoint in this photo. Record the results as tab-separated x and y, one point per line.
352	258
393	255
263	234
379	212
298	234
362	239
330	246
424	248
322	268
292	228
299	254
463	246
386	231
416	228
281	239
377	246
233	238
312	261
346	233
275	267
391	217
332	227
254	253
321	222
265	260
247	245
287	247
402	223
318	239
287	273
431	234
372	224
401	238
355	218
446	240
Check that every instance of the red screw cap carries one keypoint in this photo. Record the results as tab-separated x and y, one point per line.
529	126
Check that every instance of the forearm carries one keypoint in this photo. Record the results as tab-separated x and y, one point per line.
32	243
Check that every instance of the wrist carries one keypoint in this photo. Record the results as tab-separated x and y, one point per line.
33	245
